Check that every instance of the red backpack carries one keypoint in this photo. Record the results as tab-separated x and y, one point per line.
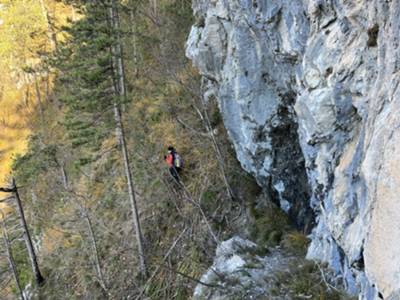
169	159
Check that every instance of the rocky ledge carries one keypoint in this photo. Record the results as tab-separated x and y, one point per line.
243	270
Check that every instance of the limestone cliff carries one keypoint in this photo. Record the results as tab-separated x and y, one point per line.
308	90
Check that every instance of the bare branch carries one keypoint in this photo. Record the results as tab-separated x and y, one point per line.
8	190
159	266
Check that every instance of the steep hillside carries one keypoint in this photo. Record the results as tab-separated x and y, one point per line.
309	95
93	173
285	114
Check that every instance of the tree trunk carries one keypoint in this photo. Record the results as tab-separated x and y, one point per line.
121	92
93	241
39	97
73	14
134	44
207	124
34	197
50	28
131	190
221	160
64	176
28	241
10	257
119	54
155	10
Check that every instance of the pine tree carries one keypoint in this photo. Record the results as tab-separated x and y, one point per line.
92	73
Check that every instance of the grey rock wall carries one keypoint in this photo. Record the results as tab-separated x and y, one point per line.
309	93
238	48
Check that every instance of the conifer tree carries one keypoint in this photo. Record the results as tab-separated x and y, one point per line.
92	70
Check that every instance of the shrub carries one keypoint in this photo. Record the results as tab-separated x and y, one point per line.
270	224
296	243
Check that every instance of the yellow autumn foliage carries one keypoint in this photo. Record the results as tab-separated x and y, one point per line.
25	42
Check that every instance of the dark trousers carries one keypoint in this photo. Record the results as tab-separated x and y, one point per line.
175	173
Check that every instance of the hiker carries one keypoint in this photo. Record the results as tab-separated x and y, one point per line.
174	162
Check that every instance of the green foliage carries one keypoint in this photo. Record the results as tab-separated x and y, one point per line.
303	279
23	264
296	242
87	79
209	200
38	159
270	224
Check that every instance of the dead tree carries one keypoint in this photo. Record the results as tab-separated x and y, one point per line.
93	241
221	162
134	43
27	237
9	254
120	90
94	246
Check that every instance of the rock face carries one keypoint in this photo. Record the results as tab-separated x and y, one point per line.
238	48
237	273
309	93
